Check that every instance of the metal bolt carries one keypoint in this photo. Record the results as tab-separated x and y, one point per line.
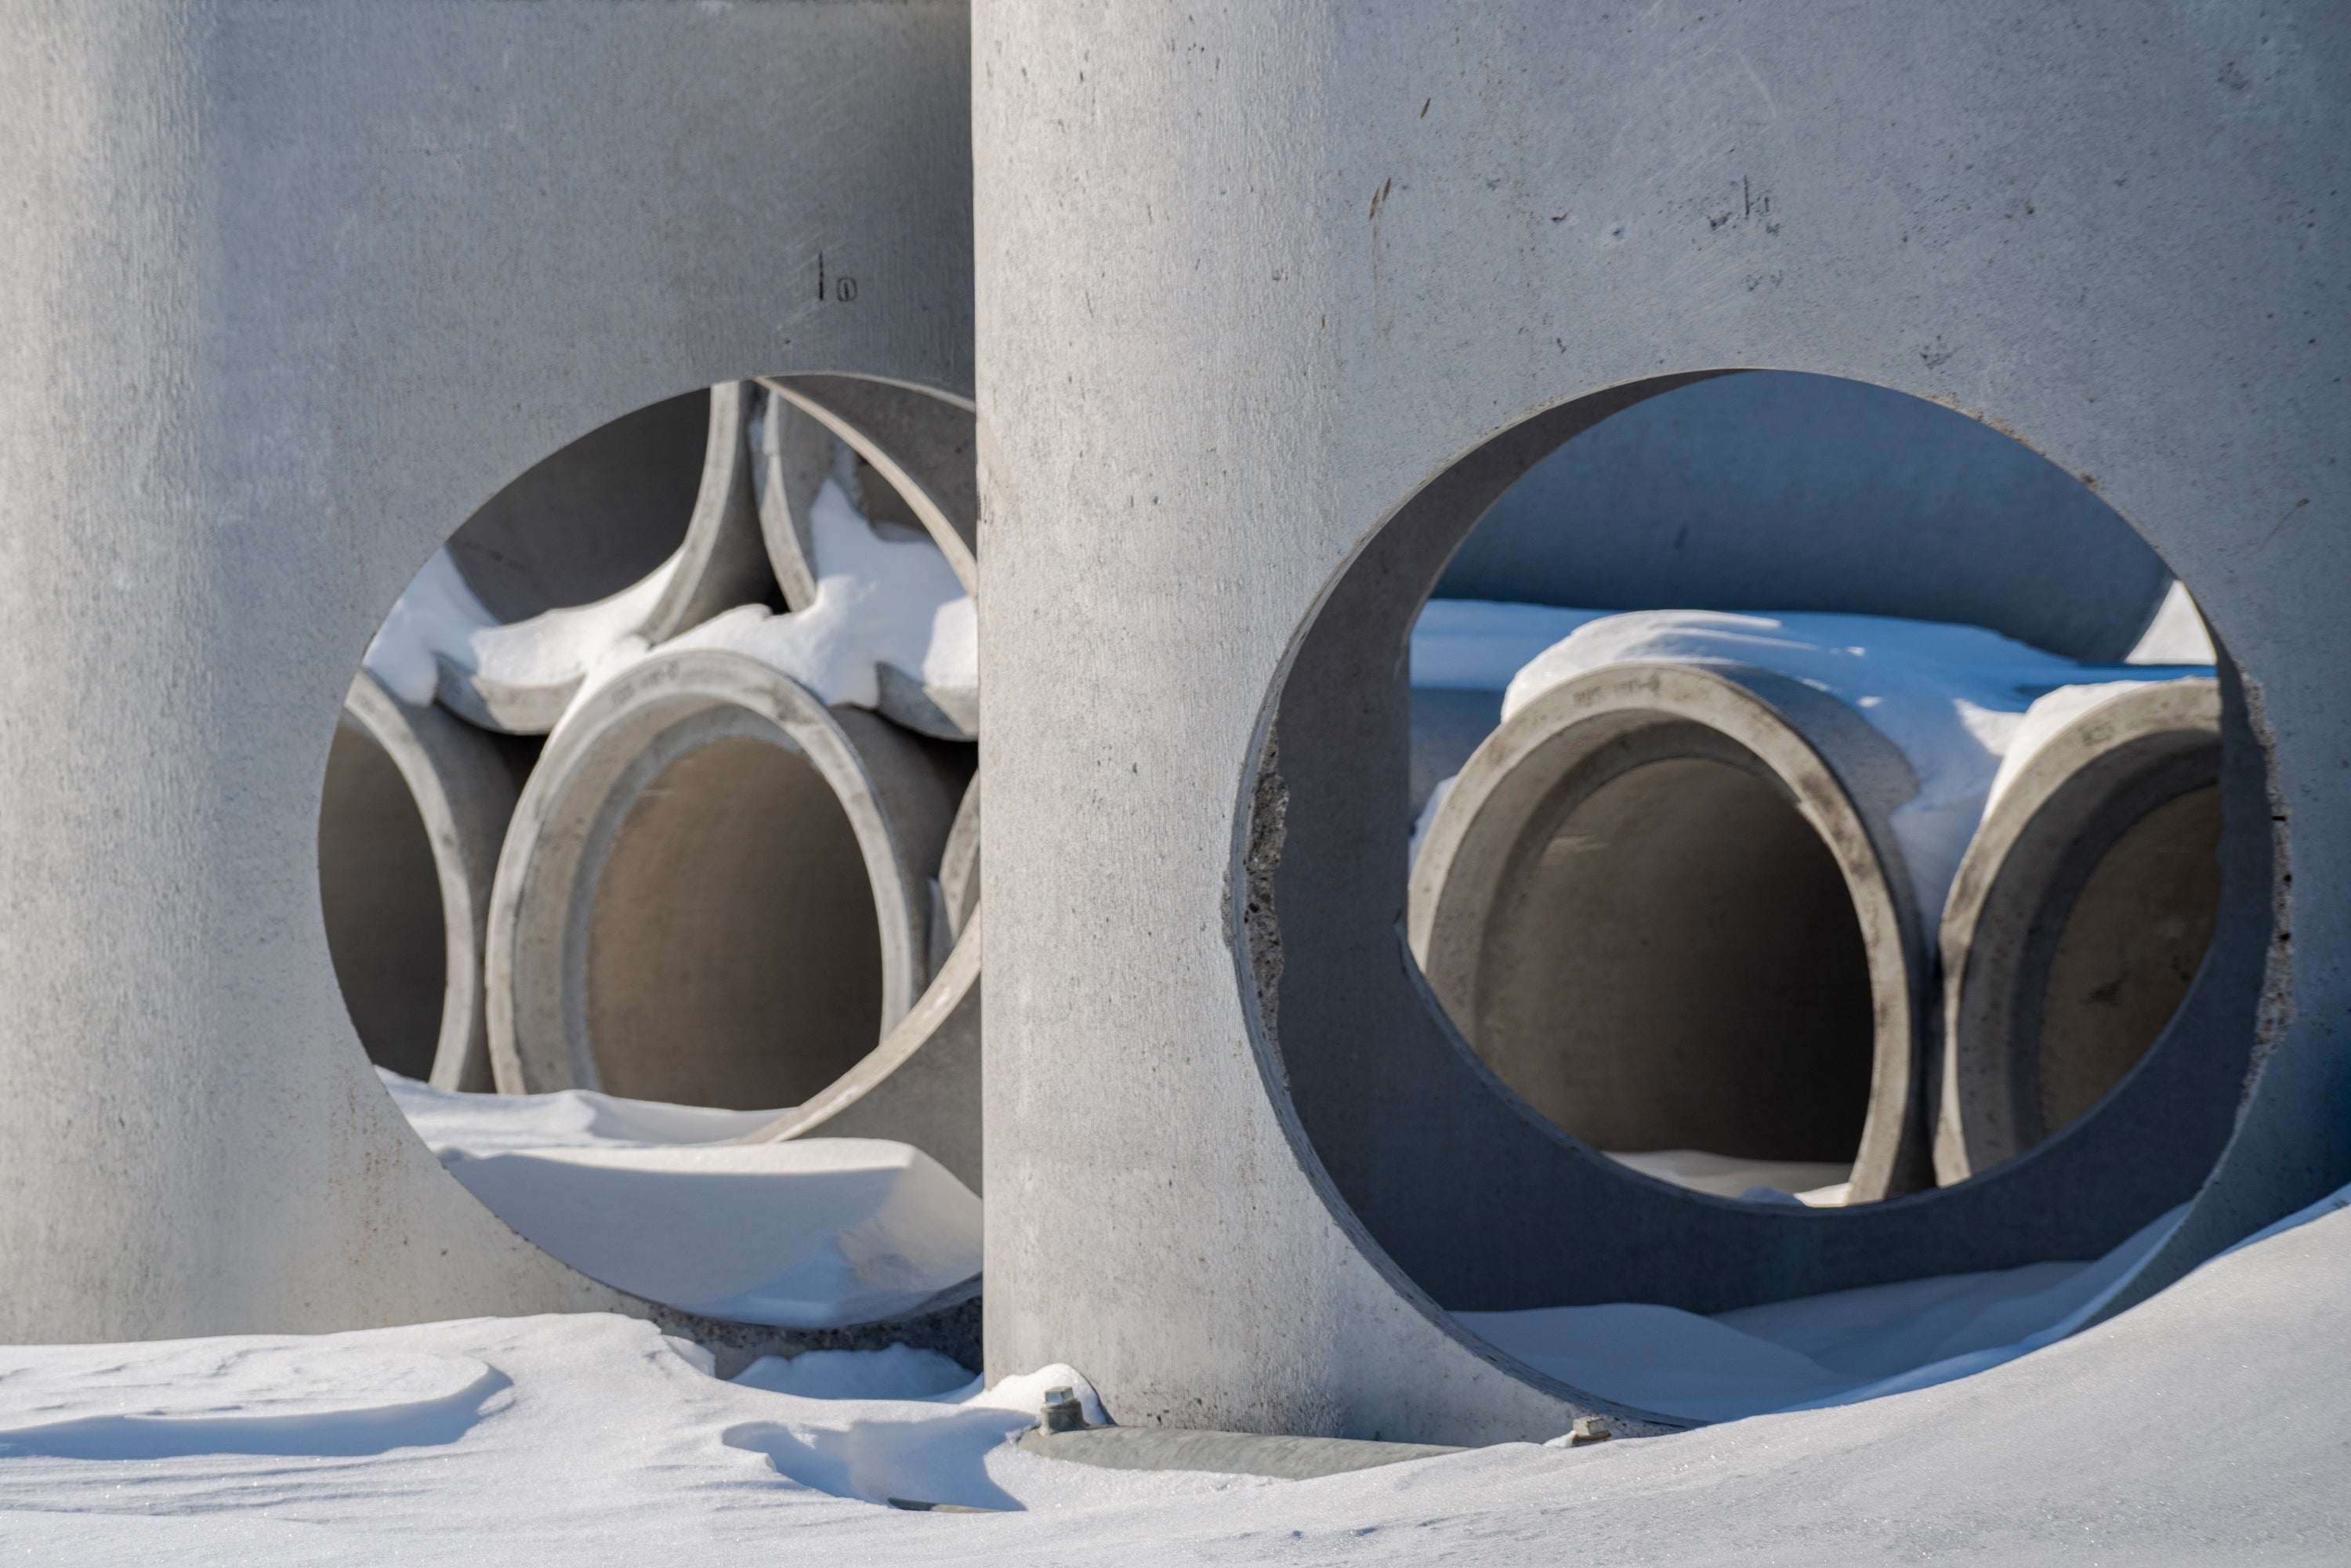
1062	1411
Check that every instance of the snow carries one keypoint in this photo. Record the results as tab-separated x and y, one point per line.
567	1119
437	620
1951	698
2176	636
2207	1420
1816	1351
811	1233
1478	645
879	602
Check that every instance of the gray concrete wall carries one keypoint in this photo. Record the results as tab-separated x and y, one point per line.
285	293
1250	279
1785	491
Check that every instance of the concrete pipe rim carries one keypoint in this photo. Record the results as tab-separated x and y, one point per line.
1508	794
596	768
947	515
719	561
431	752
2106	772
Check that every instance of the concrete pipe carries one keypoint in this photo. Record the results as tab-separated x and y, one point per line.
438	258
410	816
642	528
1666	906
1477	241
2079	920
715	891
918	442
902	457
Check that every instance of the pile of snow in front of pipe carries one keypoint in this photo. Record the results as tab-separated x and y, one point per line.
2202	1414
654	1200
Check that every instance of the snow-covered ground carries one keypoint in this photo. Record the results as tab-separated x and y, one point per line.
656	1200
2209	1424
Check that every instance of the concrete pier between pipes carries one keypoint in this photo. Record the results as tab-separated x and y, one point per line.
444	261
1467	247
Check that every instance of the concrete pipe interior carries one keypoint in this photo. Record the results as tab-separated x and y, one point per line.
381	891
598	516
2131	940
1475	1180
734	956
1676	965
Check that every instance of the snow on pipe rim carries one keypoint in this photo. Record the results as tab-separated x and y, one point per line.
669	708
878	619
1564	743
519	675
922	441
462	784
2097	768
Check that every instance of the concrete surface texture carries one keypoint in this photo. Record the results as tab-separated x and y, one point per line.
287	295
413	809
1666	906
2078	921
662	489
715	890
1383	238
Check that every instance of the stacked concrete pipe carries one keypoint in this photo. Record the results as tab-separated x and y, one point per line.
412	812
2078	921
443	260
1666	906
716	889
642	528
1412	255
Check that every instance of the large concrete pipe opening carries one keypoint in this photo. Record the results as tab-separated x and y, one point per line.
598	516
732	915
412	811
2080	920
718	890
1680	871
1678	966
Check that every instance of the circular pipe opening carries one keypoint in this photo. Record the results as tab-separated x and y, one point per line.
1466	1189
1675	964
379	888
600	515
733	955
